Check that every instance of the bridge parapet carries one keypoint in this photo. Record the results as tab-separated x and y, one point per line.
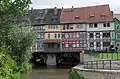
102	64
99	69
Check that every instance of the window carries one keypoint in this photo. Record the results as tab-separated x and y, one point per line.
67	26
77	35
98	44
55	35
66	45
63	35
56	27
91	17
106	44
71	35
81	44
77	25
71	27
81	26
49	27
106	35
63	27
118	26
103	16
66	35
74	35
104	25
97	35
74	45
58	35
63	45
48	35
90	25
91	44
118	45
95	25
108	24
81	34
118	35
77	45
91	35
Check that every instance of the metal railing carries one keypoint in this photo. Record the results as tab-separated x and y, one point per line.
102	64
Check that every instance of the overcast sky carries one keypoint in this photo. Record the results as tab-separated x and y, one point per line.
114	4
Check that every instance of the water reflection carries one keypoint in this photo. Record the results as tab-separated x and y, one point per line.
47	73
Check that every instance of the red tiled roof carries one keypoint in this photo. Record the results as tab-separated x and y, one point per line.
117	16
68	15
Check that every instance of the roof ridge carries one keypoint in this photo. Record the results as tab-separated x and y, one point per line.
89	6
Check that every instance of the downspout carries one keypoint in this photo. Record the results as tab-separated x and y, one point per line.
114	33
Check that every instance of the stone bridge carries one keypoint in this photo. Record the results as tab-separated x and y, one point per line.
99	69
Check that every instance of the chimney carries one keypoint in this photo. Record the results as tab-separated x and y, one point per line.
112	13
55	11
72	8
62	9
31	8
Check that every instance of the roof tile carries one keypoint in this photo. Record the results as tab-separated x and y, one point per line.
68	15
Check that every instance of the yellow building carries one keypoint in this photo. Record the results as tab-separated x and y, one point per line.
53	33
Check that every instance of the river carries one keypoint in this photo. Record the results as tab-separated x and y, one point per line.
47	73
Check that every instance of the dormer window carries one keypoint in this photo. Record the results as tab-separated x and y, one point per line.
92	17
103	16
77	18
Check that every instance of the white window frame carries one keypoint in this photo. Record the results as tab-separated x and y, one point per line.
66	45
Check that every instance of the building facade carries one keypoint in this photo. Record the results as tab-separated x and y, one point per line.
73	30
117	30
95	22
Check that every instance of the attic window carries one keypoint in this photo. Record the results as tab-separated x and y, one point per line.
103	16
77	17
92	17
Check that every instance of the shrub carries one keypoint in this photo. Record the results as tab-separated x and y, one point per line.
6	63
74	75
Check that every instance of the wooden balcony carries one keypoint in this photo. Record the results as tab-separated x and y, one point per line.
52	50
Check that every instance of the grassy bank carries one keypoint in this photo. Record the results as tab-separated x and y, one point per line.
108	55
73	74
15	76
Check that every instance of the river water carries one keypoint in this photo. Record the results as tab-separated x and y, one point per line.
47	73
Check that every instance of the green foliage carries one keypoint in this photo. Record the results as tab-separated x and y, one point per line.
21	39
17	38
6	63
74	75
8	10
15	75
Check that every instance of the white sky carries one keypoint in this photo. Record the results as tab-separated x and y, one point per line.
38	4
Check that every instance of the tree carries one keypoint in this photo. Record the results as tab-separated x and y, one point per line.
16	38
8	10
21	40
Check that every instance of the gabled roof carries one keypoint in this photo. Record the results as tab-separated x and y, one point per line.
117	16
86	14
